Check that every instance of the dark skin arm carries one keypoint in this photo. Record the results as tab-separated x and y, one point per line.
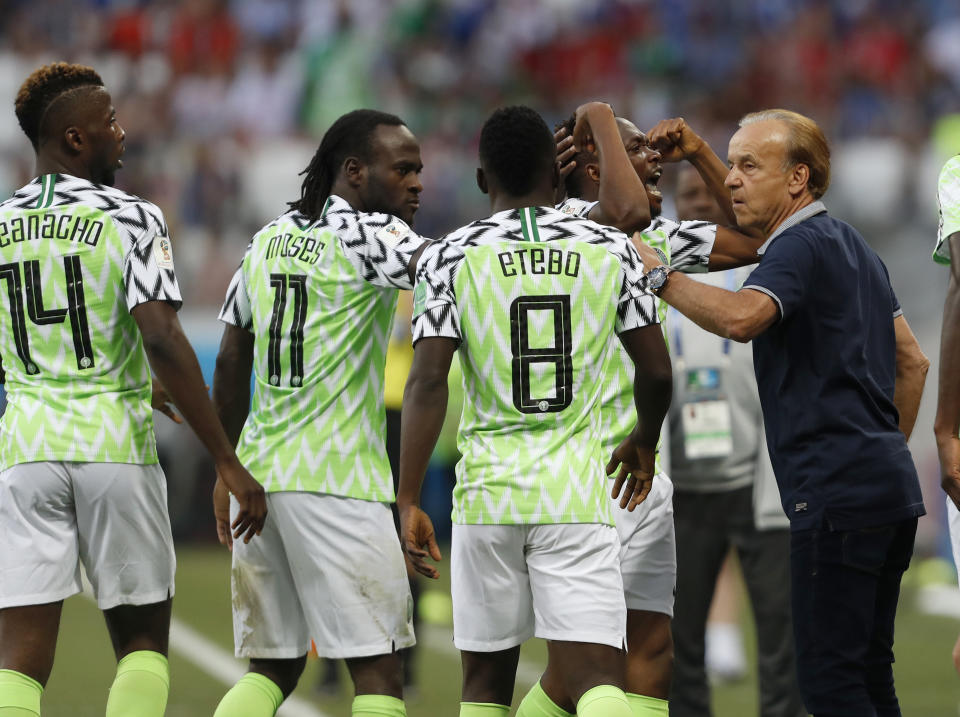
622	202
739	315
912	367
652	390
424	408
231	399
175	365
946	426
676	141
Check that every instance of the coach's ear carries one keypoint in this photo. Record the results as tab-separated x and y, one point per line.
482	180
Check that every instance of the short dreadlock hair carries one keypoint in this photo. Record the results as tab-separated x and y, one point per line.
516	146
573	183
350	136
44	87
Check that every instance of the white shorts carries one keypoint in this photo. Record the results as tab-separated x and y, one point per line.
558	582
953	522
112	517
648	549
324	568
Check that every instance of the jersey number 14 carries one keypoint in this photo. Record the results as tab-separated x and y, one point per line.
39	315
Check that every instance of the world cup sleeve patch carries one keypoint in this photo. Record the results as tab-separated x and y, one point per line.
163	252
393	233
420	298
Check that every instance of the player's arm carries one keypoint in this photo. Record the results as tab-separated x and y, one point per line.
912	367
652	390
424	408
174	363
622	202
231	399
946	426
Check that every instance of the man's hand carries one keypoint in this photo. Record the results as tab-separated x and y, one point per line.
674	140
251	497
651	257
582	132
565	162
160	401
637	464
221	513
416	533
949	451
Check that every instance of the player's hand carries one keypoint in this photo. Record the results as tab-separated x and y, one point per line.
160	401
956	656
221	513
582	131
416	533
949	453
251	497
674	140
637	464
650	256
565	162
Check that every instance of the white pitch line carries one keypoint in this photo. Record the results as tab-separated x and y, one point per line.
939	600
217	662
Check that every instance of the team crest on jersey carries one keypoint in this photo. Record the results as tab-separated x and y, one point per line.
568	209
163	252
420	298
392	233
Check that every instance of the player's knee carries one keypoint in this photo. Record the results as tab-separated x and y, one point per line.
284	673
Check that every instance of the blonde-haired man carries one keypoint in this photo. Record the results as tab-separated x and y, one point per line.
840	377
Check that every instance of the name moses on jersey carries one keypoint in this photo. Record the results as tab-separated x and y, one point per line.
74	228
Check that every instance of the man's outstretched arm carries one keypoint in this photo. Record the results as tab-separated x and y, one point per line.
175	364
424	408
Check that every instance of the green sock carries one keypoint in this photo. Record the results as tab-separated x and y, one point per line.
253	696
537	703
19	695
141	686
483	709
604	701
377	706
644	706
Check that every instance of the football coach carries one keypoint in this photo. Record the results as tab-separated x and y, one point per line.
840	377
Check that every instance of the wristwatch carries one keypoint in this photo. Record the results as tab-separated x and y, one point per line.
657	278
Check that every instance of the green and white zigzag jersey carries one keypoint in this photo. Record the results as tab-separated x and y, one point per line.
534	297
948	198
687	247
319	298
75	258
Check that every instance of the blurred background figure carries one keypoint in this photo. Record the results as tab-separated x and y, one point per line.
725	500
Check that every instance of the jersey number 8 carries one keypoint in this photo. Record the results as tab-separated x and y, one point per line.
525	356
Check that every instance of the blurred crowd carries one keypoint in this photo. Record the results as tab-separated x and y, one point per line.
224	100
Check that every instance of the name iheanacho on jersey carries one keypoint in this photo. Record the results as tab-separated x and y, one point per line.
74	228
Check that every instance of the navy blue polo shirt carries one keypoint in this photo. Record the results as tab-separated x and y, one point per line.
826	373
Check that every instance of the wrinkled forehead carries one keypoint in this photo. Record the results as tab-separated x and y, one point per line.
766	139
629	131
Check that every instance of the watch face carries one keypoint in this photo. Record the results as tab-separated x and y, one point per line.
656	277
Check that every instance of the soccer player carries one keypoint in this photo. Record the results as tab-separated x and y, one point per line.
531	298
612	177
309	311
947	423
90	297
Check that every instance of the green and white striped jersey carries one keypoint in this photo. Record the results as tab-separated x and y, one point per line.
535	298
319	298
948	198
75	259
687	246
